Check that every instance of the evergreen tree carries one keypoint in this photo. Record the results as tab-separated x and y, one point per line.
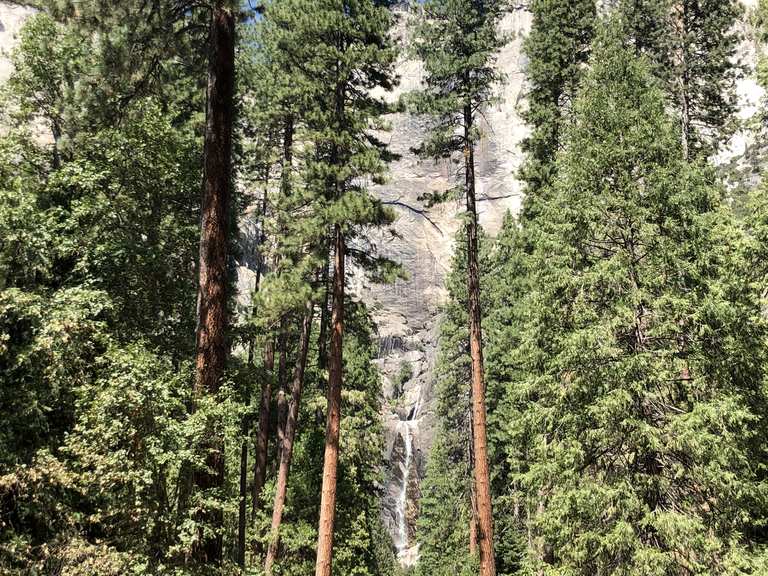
458	42
634	427
692	46
350	53
557	49
509	281
446	525
211	344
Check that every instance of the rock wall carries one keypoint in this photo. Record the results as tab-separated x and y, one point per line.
11	19
407	313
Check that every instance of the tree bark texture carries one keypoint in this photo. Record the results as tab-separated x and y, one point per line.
331	460
291	427
211	345
479	435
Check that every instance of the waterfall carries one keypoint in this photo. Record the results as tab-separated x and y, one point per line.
407	553
404	429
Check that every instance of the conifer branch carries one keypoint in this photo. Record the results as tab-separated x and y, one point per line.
420	211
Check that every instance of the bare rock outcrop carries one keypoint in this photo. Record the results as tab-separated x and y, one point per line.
12	18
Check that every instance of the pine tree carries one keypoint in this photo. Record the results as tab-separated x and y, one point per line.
358	57
557	49
692	45
458	41
632	428
328	105
446	527
211	347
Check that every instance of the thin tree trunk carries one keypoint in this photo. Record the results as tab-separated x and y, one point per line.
211	349
288	131
282	386
262	439
479	436
684	80
322	338
262	236
282	377
290	435
331	460
262	435
242	499
243	509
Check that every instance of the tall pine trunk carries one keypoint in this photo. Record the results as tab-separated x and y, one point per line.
211	348
282	386
290	435
479	435
282	376
322	338
261	443
331	460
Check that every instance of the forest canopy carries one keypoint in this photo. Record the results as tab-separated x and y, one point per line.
198	203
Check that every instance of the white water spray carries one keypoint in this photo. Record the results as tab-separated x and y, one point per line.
404	430
406	552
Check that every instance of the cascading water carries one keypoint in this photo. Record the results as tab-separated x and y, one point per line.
404	430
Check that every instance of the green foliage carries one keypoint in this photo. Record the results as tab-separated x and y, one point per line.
557	49
404	374
47	346
691	46
97	296
128	201
127	449
444	515
633	401
46	64
458	42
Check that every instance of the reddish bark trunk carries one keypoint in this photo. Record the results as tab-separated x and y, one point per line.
322	338
331	460
479	435
211	348
290	435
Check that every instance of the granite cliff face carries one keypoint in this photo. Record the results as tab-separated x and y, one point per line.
407	313
11	20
